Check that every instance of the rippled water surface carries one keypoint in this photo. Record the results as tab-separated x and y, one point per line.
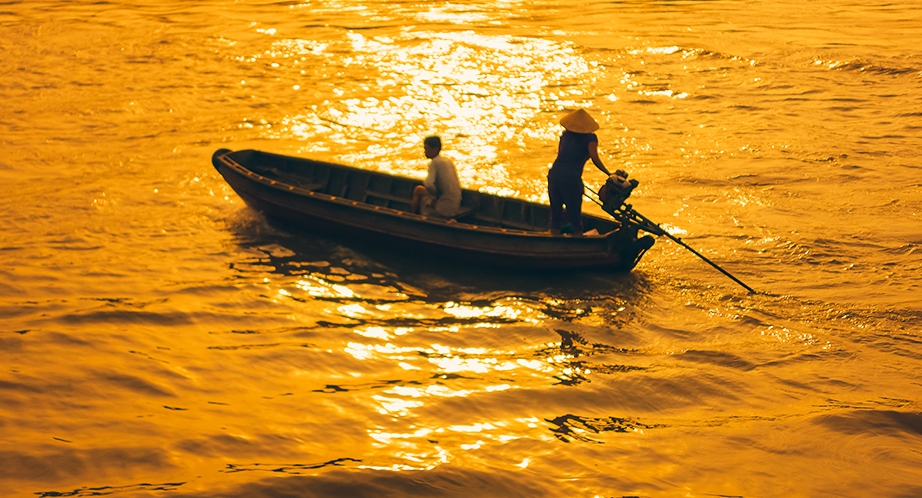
159	338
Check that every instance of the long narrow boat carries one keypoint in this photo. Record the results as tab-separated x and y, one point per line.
375	207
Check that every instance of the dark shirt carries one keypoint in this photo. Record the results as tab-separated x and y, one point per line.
572	156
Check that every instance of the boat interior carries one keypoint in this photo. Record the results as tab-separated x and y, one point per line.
395	192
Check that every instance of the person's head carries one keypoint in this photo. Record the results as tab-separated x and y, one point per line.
432	145
579	121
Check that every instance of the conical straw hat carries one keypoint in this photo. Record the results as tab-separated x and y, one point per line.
579	121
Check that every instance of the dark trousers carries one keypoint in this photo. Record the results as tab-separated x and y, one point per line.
569	195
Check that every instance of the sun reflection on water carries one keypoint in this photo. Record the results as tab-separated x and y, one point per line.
319	288
507	312
486	94
423	367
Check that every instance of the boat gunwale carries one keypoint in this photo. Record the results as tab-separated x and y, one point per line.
418	218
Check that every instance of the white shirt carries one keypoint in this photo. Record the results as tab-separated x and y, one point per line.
442	182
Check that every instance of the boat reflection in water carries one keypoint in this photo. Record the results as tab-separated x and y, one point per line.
426	352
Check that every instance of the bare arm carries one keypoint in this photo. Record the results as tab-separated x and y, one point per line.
429	182
594	155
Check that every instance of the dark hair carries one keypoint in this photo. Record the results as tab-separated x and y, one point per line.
433	141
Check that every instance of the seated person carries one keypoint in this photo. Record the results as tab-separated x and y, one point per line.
440	193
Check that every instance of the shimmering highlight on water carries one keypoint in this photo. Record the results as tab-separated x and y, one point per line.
160	338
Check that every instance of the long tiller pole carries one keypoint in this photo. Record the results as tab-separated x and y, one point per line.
648	225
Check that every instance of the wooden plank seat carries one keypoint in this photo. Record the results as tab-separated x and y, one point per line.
465	212
291	179
500	223
389	197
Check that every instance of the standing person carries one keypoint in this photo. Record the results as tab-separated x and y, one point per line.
565	178
440	193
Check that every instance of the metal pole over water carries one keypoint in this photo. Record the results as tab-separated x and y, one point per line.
646	224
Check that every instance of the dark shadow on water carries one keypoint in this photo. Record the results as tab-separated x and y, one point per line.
569	427
128	490
289	251
291	469
439	482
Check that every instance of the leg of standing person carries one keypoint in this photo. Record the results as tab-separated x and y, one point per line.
573	199
556	215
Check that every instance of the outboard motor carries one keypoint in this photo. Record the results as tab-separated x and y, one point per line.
616	191
613	196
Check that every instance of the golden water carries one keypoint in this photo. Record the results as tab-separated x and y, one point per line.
159	338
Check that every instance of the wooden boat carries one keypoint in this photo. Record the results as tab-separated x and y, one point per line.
375	207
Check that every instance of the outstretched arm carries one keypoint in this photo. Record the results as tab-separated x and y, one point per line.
594	155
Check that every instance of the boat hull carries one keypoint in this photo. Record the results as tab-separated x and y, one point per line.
294	198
